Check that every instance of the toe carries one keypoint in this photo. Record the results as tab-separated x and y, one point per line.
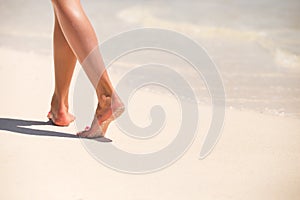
82	133
49	115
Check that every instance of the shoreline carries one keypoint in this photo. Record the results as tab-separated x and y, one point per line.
253	44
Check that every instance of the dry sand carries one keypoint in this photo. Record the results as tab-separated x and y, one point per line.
256	47
257	156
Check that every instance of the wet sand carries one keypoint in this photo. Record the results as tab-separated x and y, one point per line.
257	156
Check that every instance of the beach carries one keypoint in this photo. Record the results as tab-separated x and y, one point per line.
256	49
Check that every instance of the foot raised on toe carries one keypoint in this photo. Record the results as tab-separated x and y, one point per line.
108	110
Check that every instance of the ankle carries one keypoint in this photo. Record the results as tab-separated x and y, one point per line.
59	104
104	86
59	108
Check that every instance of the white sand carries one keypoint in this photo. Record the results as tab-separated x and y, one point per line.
257	156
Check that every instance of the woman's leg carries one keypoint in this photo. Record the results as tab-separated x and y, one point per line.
81	37
64	64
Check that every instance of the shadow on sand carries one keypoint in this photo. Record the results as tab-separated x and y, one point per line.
16	125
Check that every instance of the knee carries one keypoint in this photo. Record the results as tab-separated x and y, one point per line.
65	5
62	3
55	2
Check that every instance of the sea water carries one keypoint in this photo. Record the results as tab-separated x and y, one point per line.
255	44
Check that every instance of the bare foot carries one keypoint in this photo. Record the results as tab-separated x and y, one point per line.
59	114
60	118
108	110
